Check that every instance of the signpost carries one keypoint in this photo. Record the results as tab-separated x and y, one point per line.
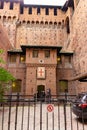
50	108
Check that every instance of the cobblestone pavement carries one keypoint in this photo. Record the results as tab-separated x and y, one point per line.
28	118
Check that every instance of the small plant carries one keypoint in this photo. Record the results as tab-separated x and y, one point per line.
5	78
5	81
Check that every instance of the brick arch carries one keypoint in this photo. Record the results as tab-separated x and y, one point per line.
9	17
14	17
23	21
59	23
28	22
41	22
37	22
50	23
46	22
4	17
32	22
55	23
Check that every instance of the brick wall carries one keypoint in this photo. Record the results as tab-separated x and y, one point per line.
4	44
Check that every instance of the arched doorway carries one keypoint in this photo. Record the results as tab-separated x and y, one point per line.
41	92
40	88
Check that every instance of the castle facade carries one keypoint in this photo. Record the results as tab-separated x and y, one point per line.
45	46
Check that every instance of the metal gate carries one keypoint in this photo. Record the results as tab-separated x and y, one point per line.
20	112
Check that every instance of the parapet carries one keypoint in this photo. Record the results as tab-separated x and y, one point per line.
16	8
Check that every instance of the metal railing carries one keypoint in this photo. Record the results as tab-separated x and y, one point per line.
25	112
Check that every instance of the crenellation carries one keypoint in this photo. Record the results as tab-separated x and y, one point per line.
51	11
32	14
42	11
6	6
35	12
16	8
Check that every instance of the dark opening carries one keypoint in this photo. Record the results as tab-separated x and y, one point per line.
30	10
1	5
38	10
40	95
55	11
11	5
67	25
47	11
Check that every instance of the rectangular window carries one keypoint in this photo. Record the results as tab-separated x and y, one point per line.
67	59
22	58
12	58
68	62
47	53
59	60
63	86
35	53
16	86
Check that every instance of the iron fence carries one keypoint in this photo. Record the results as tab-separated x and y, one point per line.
26	112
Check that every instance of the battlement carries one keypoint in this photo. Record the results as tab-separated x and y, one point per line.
16	9
31	9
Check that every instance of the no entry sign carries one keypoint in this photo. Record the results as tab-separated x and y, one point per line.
50	108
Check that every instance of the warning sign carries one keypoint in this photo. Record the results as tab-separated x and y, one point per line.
50	108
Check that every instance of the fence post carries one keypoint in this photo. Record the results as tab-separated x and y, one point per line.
66	97
17	103
65	115
41	115
9	116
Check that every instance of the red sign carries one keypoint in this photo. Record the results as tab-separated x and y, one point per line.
50	108
41	72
